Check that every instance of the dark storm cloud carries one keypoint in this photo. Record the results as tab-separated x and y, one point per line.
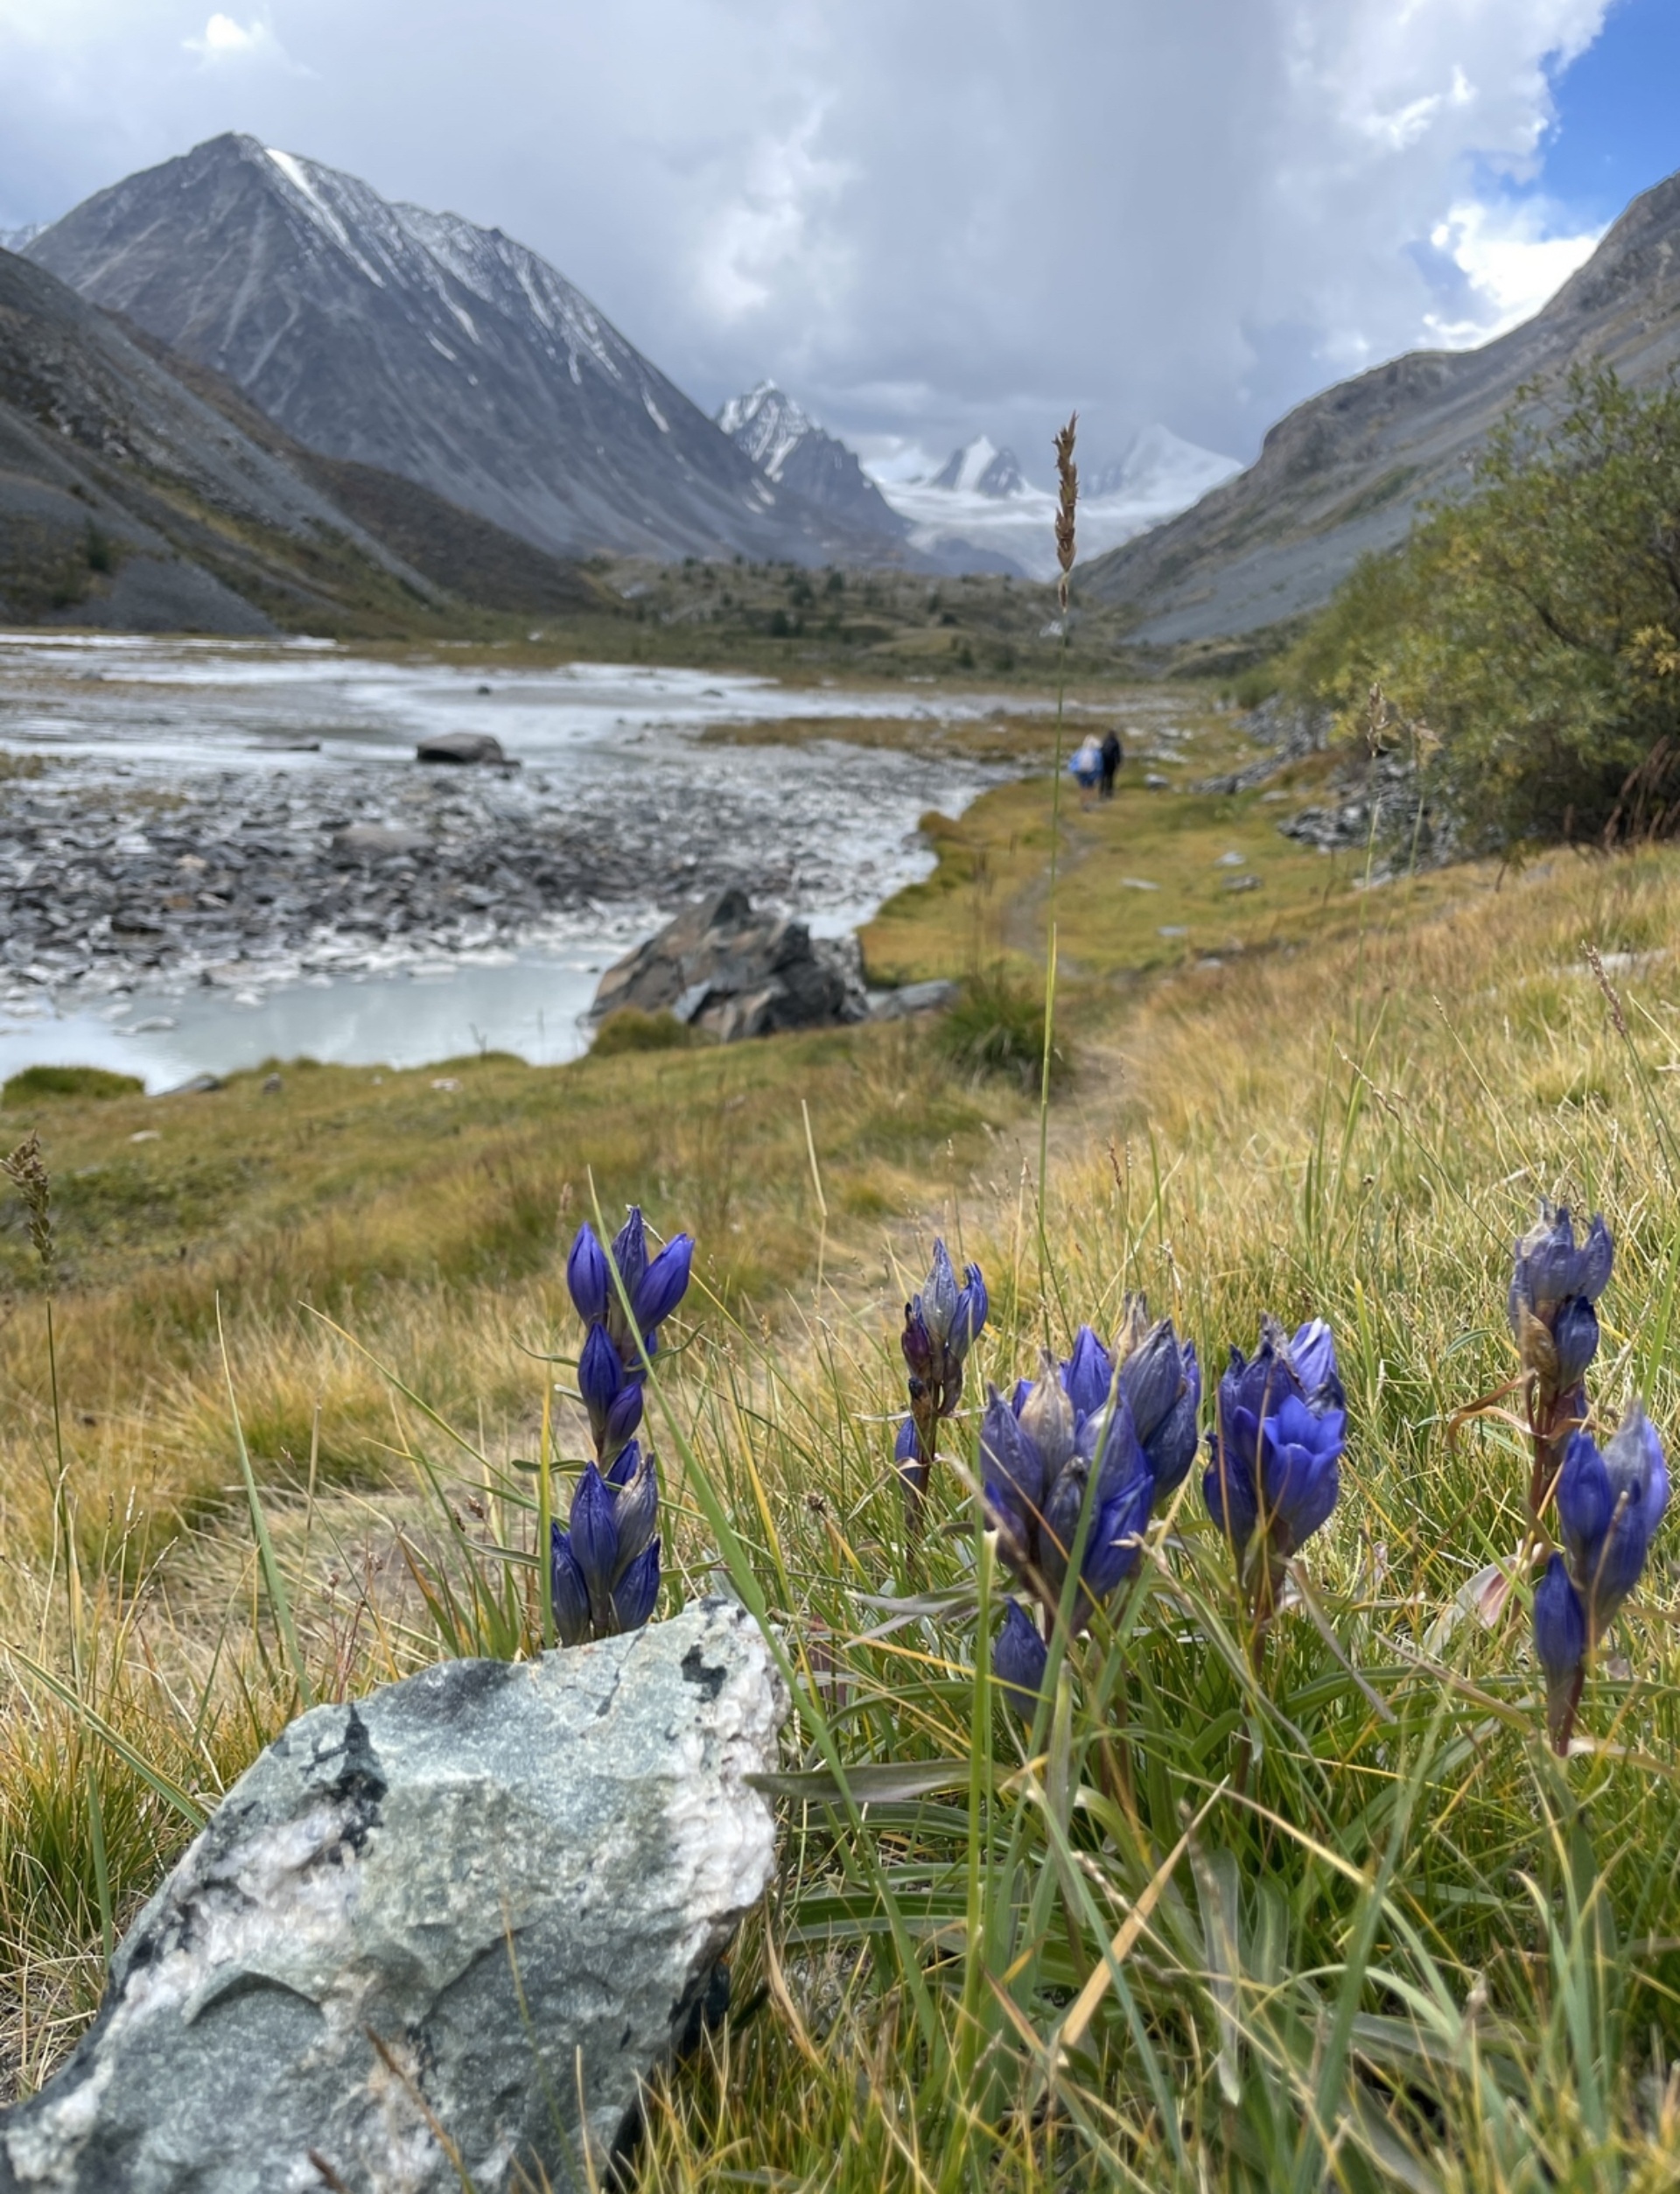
926	217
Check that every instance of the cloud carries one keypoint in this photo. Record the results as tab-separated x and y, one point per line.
224	43
929	221
1509	262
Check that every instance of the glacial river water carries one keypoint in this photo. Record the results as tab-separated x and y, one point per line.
303	737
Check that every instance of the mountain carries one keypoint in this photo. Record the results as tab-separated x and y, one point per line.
19	239
980	468
130	498
1344	472
980	497
416	342
1159	474
788	446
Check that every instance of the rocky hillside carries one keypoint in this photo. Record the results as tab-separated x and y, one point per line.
418	343
788	446
140	492
1344	473
461	554
128	500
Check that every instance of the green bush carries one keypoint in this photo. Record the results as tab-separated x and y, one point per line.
1535	627
68	1081
997	1028
629	1029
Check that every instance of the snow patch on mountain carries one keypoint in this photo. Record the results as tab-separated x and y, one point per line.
767	425
789	447
981	468
980	495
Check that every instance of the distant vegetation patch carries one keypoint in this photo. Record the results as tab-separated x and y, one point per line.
997	1028
69	1082
631	1030
1532	630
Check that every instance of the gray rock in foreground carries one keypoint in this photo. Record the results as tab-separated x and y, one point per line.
519	1878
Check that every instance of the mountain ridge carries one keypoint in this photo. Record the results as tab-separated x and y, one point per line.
428	346
1344	472
136	492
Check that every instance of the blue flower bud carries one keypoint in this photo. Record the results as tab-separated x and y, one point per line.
662	1286
635	1595
937	1301
973	1307
1560	1643
587	1275
569	1593
1117	1540
1018	1662
1609	1506
1171	1447
1227	1484
918	1343
1312	1355
600	1374
1559	1625
622	1420
1012	1475
1046	1417
1548	1266
630	1251
635	1511
1575	1337
1088	1374
595	1544
1300	1471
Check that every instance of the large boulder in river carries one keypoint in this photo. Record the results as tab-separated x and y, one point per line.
463	749
733	971
429	1922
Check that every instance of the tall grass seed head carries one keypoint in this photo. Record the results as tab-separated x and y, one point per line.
1066	506
26	1170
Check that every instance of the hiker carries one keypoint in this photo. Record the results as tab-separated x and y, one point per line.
1113	754
1086	763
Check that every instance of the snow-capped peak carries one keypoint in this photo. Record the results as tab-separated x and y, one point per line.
767	425
1159	469
980	468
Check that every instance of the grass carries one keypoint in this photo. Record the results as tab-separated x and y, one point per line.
1343	1923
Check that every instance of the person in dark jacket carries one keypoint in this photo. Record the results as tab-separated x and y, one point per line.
1113	756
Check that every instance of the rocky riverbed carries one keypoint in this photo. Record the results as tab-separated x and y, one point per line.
188	823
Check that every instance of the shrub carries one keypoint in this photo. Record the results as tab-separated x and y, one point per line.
997	1028
69	1082
629	1029
1535	626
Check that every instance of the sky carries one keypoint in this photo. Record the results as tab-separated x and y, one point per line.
930	218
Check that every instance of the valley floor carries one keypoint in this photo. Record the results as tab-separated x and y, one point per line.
1288	1092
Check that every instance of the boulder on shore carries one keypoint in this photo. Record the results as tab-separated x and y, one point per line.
463	748
733	971
422	1926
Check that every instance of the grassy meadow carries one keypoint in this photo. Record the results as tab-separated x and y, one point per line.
1330	1915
